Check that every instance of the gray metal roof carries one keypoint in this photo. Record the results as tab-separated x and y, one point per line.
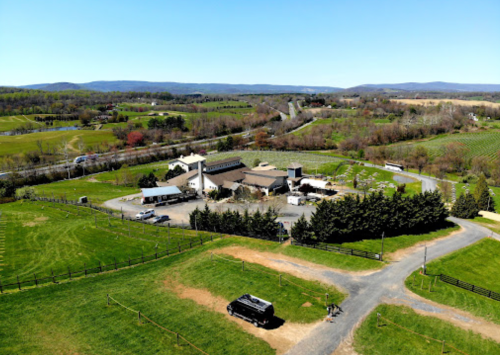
161	191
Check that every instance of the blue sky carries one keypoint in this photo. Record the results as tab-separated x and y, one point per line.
335	43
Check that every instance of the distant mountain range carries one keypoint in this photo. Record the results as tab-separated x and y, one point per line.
184	88
191	88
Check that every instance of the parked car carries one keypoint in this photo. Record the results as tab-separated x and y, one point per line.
160	219
79	160
145	214
252	309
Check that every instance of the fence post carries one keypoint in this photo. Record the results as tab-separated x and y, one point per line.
442	348
53	278
378	320
243	265
179	245
177	339
18	283
36	281
85	265
69	272
422	285
139	313
326	299
435	280
107	296
109	221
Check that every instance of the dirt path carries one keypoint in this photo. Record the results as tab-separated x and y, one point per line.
73	141
294	266
281	339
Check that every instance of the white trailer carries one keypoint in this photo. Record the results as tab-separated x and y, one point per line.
296	200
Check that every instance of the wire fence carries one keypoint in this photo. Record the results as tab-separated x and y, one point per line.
142	316
442	342
244	267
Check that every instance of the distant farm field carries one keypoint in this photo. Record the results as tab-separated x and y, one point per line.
431	102
27	142
477	144
8	123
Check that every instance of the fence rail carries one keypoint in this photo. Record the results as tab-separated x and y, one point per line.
53	278
470	287
340	250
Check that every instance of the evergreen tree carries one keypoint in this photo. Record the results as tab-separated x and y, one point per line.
465	207
482	195
302	231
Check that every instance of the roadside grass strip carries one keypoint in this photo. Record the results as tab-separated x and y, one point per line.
393	330
478	265
2	240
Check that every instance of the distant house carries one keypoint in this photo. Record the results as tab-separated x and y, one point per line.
154	103
473	117
187	163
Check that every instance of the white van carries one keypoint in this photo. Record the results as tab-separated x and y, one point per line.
79	160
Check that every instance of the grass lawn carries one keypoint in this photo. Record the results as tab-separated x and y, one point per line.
477	264
159	169
27	142
73	318
98	192
223	103
393	244
389	339
40	240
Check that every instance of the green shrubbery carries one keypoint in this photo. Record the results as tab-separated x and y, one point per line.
233	222
354	219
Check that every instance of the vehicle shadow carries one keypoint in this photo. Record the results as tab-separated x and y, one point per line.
275	323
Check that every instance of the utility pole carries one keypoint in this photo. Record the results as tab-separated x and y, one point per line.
382	250
425	259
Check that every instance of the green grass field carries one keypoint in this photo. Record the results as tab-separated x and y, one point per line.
98	192
389	339
478	143
477	264
393	244
27	142
223	103
73	317
40	240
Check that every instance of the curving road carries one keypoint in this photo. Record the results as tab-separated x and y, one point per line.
366	292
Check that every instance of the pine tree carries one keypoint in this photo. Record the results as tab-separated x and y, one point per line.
465	207
482	195
302	231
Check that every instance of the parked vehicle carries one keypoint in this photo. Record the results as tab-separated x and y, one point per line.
160	219
145	214
79	160
252	309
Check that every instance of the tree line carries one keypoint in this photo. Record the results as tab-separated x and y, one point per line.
356	218
233	222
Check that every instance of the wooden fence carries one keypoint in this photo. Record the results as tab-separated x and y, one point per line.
470	287
335	249
74	272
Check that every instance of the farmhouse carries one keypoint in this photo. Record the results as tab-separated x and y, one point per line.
216	180
267	181
187	163
159	194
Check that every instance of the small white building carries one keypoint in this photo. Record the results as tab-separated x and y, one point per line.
159	194
187	163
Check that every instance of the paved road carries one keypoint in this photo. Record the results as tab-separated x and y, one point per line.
291	109
366	292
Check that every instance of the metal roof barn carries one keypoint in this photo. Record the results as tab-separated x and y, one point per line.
161	191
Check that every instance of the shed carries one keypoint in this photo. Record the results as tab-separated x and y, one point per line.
159	194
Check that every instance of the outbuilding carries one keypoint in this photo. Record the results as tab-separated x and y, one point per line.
160	194
296	200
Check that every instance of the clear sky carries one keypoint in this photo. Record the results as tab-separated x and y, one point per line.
334	43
